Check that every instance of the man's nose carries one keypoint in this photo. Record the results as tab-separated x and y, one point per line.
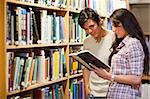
89	31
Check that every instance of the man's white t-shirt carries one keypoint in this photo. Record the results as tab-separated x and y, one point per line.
98	85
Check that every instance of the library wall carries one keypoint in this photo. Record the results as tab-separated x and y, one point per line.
142	13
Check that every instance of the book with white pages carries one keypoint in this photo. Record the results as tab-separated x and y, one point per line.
88	59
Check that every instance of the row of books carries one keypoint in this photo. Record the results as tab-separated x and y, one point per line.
74	66
103	7
55	3
76	90
28	68
28	26
77	4
76	33
115	4
53	92
98	5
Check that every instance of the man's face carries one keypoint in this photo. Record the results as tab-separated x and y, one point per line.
92	28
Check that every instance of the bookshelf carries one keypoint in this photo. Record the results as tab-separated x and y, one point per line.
145	77
2	50
69	43
32	87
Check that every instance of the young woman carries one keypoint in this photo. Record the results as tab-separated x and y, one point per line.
129	57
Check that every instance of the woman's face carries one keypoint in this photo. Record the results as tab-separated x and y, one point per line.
120	31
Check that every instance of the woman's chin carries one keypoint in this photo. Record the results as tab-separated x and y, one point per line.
119	37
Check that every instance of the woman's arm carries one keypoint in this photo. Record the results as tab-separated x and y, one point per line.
128	79
125	79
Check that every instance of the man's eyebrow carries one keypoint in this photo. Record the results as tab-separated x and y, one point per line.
91	25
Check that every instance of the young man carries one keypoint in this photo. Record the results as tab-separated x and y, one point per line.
99	43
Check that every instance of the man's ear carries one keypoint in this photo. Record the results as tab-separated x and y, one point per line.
100	21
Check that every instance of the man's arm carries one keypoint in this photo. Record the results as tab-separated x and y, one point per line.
86	75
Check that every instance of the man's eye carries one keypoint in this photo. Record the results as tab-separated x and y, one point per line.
91	26
85	29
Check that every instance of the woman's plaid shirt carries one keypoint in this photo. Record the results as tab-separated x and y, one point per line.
128	61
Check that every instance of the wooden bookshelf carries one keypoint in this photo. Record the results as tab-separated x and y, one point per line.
74	11
2	50
35	5
76	44
65	12
76	76
144	77
38	85
35	46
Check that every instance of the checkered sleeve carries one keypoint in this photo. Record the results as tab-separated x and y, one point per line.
136	58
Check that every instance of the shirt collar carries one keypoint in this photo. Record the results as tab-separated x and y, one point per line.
123	42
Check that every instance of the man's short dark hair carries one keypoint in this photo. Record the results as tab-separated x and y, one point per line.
86	14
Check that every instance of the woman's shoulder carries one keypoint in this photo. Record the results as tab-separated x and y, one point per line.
133	42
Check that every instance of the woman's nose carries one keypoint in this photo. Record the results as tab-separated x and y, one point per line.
113	29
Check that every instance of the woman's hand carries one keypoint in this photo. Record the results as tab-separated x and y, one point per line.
101	72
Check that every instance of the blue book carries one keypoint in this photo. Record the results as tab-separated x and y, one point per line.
75	91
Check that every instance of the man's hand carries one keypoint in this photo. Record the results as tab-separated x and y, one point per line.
87	90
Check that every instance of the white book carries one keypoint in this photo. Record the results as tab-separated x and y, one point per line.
16	72
41	67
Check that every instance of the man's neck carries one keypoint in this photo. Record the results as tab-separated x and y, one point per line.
102	34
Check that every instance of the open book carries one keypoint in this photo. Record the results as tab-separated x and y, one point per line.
87	59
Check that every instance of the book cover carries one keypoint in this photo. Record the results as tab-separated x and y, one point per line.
87	59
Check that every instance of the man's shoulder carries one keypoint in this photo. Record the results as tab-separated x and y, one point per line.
111	35
88	42
110	32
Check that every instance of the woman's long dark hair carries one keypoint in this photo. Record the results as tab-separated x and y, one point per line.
132	27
